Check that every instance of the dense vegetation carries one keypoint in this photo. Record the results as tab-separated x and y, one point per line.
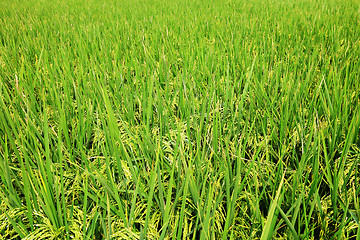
179	119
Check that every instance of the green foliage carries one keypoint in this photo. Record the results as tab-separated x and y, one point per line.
179	119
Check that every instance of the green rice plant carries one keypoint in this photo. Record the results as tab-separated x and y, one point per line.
179	119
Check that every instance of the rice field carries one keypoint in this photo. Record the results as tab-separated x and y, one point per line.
189	119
